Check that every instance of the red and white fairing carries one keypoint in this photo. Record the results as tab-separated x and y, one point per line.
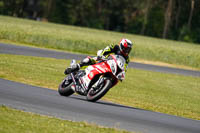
114	67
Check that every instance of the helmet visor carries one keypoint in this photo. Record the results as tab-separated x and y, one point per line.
126	50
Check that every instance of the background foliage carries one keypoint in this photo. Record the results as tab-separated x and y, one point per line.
171	19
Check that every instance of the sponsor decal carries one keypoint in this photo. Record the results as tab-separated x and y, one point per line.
91	75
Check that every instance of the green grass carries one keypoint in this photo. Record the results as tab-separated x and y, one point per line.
12	120
167	93
84	40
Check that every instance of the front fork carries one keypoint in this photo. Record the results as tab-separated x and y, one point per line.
74	86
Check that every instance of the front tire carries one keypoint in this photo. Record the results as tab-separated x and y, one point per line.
65	89
96	95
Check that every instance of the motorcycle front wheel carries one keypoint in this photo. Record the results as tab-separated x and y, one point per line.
64	89
95	94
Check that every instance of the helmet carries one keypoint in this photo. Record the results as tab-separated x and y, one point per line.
125	46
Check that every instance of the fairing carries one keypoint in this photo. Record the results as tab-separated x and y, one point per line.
114	67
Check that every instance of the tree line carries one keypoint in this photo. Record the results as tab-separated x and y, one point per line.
169	19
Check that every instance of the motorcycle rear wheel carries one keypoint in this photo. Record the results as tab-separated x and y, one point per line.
65	89
94	96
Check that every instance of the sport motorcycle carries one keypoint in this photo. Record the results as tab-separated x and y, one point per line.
96	80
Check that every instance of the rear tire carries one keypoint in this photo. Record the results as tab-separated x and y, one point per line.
65	89
92	96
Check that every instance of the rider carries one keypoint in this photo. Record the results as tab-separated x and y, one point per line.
123	49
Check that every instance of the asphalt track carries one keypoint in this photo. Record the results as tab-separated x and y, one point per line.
76	108
30	51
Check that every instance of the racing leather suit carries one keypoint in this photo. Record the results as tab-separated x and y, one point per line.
100	54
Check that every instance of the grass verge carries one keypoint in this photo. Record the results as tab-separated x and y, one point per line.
88	41
167	93
12	120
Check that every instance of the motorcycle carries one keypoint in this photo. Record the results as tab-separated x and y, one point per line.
96	80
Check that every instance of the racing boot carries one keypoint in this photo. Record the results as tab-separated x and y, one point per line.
71	69
76	67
